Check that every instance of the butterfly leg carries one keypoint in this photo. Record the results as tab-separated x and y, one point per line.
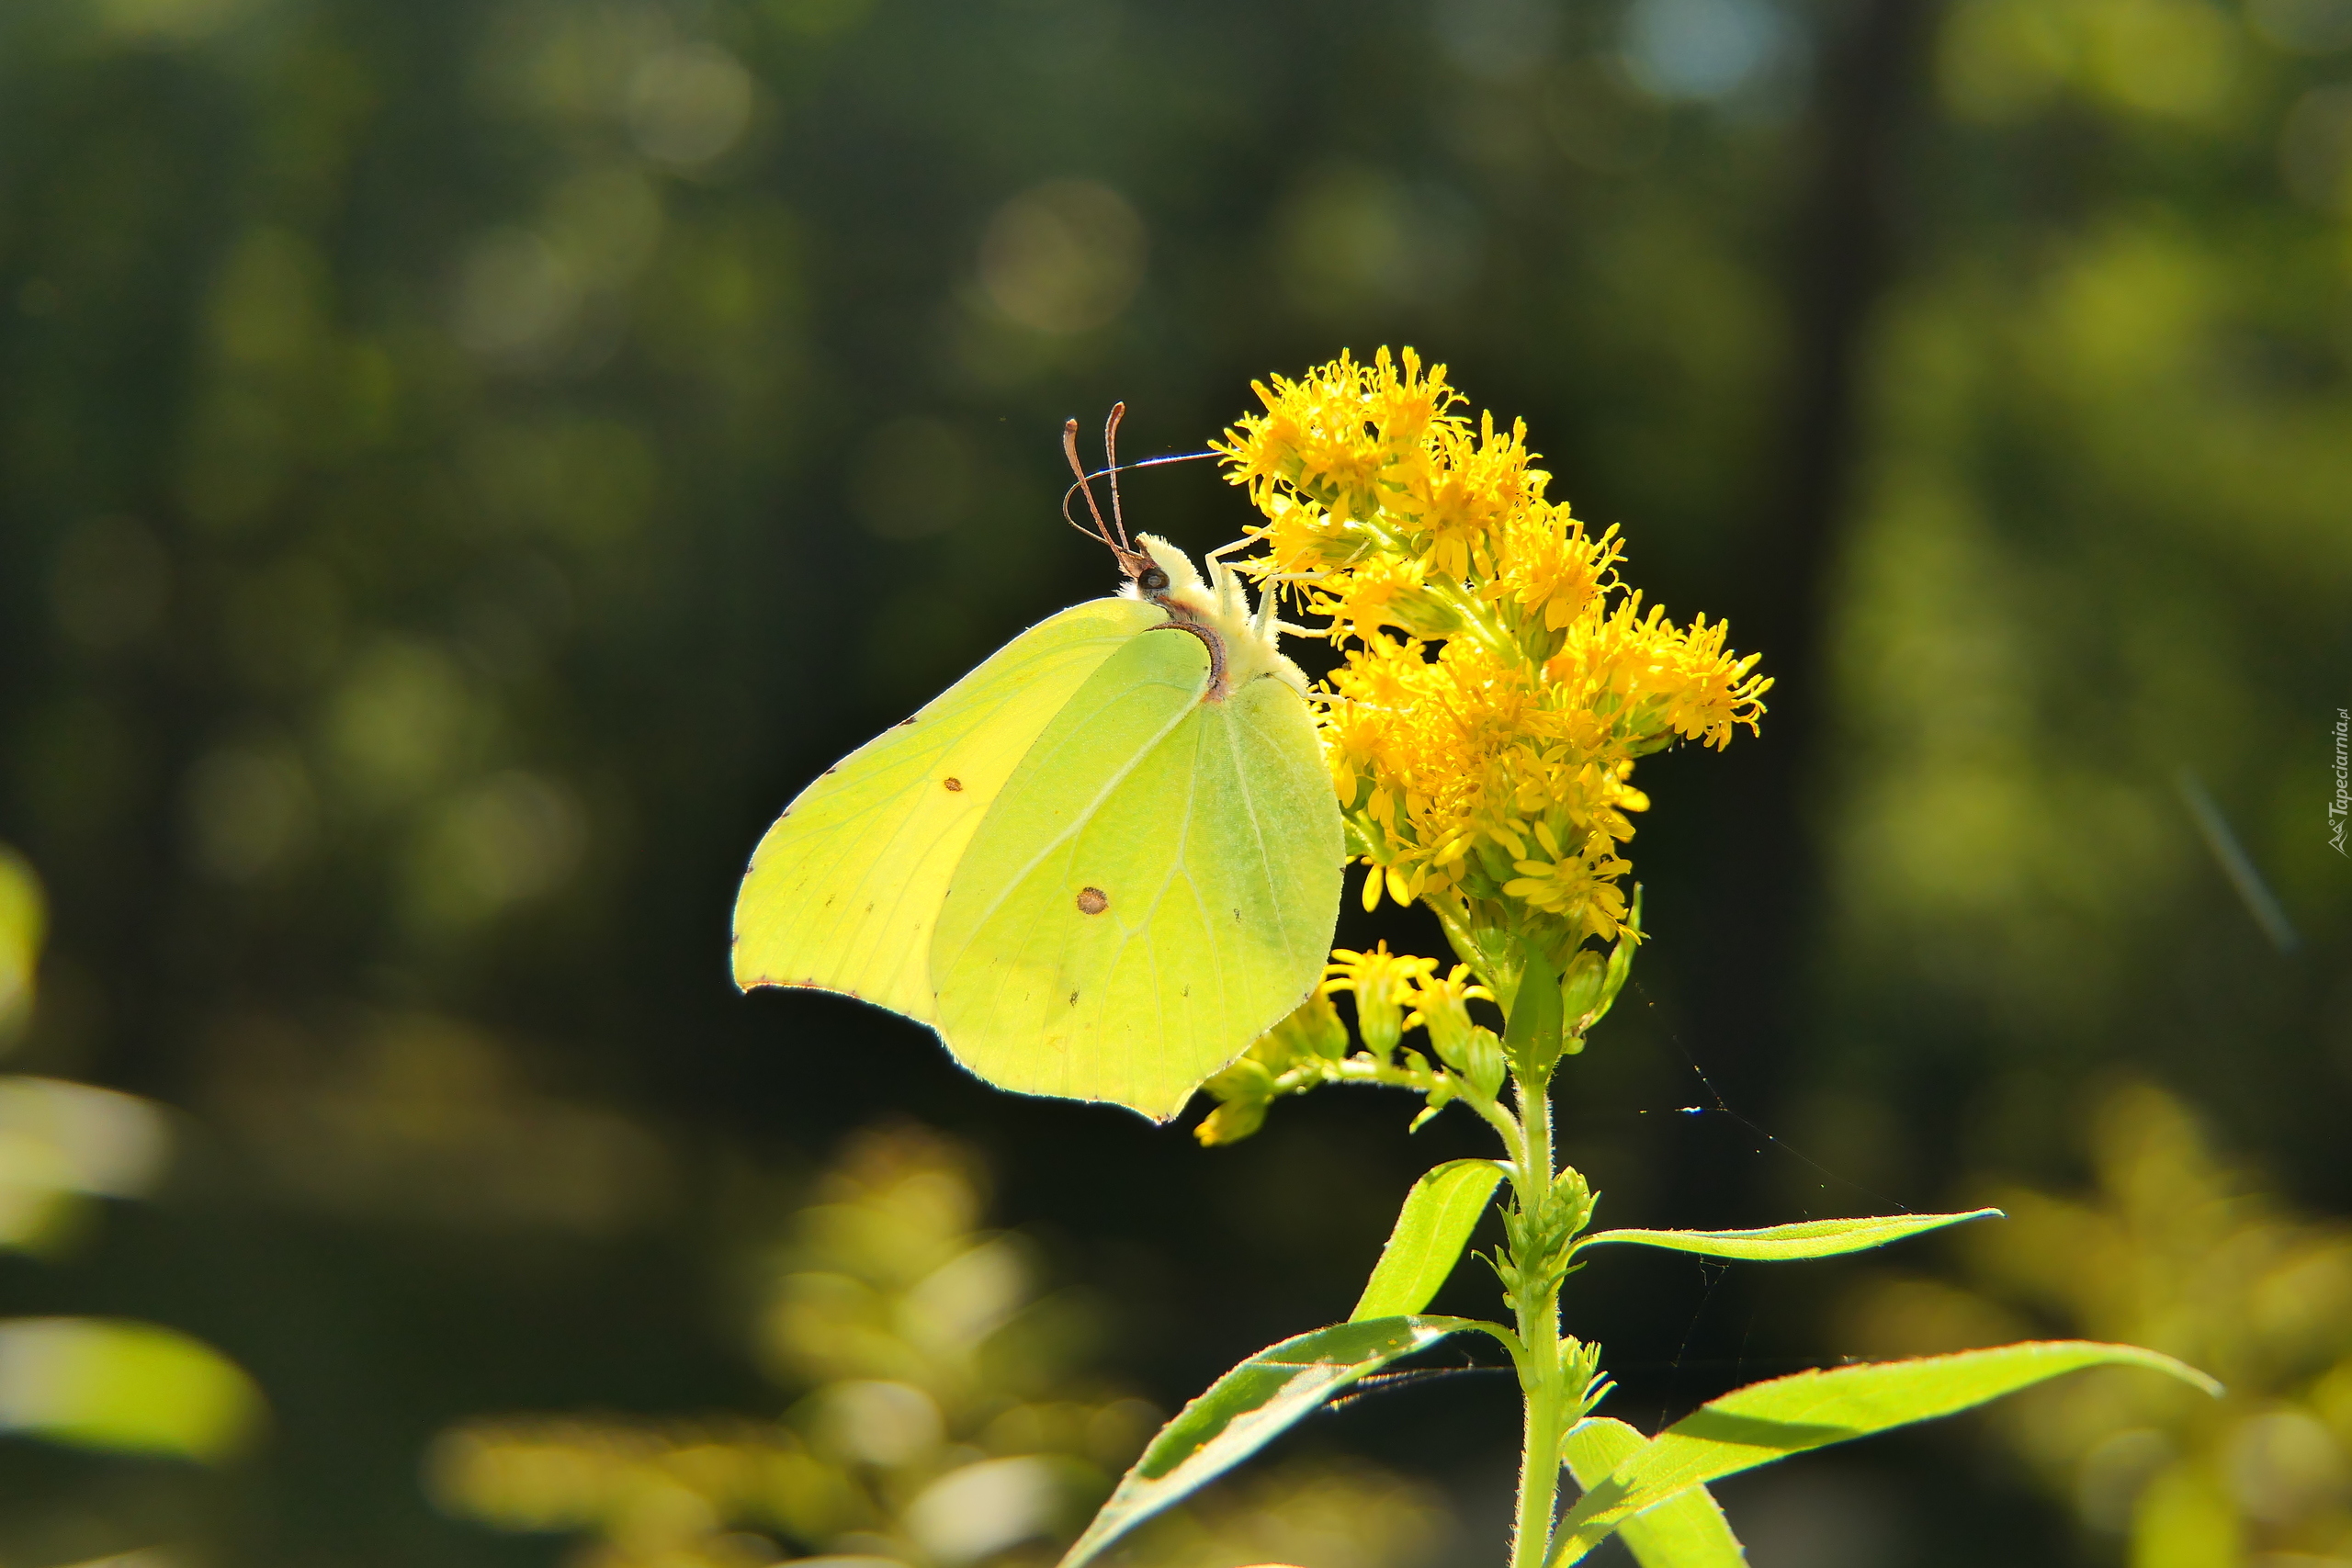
1264	621
1225	581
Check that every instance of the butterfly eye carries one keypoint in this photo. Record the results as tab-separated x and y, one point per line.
1154	580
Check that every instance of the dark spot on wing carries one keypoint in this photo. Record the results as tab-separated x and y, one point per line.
902	724
869	908
953	784
1237	914
1092	900
1073	998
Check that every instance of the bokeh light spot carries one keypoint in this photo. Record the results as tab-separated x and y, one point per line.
512	837
400	719
1063	257
1701	48
983	1508
689	104
869	1421
1354	237
514	295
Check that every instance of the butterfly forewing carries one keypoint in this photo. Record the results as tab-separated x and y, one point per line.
844	889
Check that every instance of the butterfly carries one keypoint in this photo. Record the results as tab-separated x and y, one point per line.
1099	866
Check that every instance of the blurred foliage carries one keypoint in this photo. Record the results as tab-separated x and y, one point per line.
464	466
2181	1251
126	1387
940	1416
114	1386
61	1144
2097	571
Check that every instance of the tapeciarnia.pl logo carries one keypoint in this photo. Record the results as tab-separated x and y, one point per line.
2338	808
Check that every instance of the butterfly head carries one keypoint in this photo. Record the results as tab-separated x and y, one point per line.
1165	575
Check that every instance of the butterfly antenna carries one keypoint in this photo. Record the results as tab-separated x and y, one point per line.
1100	531
1111	457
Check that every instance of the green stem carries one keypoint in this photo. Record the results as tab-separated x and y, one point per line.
1539	1335
1364	1068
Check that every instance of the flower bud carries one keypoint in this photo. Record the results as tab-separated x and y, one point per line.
1231	1123
1580	995
1243	1092
1313	1031
1572	1201
1482	1062
1442	1007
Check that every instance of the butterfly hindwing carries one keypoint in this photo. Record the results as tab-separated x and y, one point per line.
1154	888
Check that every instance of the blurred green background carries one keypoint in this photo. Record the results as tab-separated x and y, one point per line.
463	465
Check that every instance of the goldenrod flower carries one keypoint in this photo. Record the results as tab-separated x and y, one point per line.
1442	1008
1384	983
1498	680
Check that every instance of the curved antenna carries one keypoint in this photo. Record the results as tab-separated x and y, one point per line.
1110	455
1113	533
1132	560
1069	450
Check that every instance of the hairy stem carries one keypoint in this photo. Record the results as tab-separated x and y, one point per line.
1365	1068
1538	1334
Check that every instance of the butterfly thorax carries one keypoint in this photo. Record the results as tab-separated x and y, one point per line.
1240	641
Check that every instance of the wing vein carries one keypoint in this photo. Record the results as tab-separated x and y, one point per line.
1079	821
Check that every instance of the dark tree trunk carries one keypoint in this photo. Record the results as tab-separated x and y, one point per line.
1748	981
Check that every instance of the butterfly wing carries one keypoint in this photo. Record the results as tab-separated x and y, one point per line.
1154	888
844	889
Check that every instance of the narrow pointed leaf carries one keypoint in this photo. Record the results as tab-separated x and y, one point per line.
1807	1239
1431	1229
1248	1408
1687	1530
1766	1421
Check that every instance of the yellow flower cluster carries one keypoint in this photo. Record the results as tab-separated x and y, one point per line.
1498	680
1395	994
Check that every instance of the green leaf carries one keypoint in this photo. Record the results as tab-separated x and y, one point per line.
1766	1421
1249	1406
1687	1530
1431	1229
130	1387
1807	1239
